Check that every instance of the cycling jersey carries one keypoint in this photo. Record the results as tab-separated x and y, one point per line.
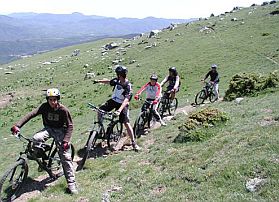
214	76
53	118
121	91
174	82
152	92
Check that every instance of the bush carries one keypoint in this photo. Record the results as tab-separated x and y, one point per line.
250	84
190	131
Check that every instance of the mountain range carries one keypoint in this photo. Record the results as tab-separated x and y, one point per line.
29	33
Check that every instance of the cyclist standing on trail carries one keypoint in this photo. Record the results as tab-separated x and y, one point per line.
174	82
153	93
58	124
214	79
120	99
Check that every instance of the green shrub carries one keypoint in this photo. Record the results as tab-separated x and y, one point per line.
250	84
191	130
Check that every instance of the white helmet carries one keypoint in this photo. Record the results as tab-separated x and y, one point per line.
53	92
214	66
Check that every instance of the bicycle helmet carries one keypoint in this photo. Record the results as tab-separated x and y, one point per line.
173	70
121	70
53	92
154	77
214	66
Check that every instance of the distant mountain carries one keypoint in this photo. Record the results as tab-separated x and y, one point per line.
27	33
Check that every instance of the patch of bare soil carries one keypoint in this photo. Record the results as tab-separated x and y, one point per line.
267	121
6	99
159	190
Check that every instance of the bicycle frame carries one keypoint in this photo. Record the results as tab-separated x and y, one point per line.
105	116
30	154
98	132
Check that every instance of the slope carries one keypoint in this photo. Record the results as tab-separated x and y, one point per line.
216	169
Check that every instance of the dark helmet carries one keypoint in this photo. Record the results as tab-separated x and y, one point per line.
173	70
154	77
53	92
214	66
121	70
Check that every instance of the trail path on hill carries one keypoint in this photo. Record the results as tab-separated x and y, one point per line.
34	187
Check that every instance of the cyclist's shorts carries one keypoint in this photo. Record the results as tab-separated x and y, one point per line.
111	104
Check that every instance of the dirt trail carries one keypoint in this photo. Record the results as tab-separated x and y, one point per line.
34	187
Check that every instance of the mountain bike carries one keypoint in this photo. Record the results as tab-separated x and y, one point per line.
166	105
145	119
206	92
47	158
112	132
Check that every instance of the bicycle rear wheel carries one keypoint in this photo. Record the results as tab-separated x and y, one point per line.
172	106
200	97
115	134
89	146
139	125
12	181
212	97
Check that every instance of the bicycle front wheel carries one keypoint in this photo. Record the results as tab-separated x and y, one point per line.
89	146
12	181
172	106
139	125
151	120
162	107
115	134
200	97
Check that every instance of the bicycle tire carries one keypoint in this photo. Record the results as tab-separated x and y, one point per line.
151	120
139	125
115	134
212	97
173	108
200	97
89	145
54	162
162	107
10	191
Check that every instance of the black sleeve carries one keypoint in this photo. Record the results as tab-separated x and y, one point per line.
207	75
113	82
128	93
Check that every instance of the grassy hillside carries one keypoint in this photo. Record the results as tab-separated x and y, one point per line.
216	169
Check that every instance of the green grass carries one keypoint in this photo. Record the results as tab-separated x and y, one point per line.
215	169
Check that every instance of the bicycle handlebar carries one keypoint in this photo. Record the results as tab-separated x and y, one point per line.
19	136
94	108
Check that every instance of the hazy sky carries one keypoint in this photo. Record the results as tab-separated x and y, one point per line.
127	8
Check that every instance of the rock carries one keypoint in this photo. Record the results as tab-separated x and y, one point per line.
238	100
89	75
255	184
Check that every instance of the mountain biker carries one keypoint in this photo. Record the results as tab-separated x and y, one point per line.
153	93
58	124
122	94
174	82
214	79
